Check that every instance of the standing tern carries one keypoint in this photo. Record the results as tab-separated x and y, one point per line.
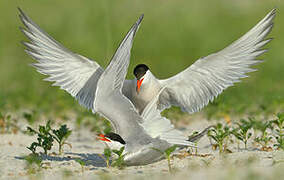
141	135
194	87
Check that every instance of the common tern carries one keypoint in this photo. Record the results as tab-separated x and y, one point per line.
140	134
194	87
191	89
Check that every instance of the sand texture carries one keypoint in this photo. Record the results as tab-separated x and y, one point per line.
207	164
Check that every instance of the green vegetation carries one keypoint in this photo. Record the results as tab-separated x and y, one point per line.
219	134
46	137
119	161
115	162
279	130
167	154
8	124
242	131
33	163
30	116
193	135
61	136
107	154
172	36
264	138
266	133
82	164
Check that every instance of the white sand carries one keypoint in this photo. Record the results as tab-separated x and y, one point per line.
237	165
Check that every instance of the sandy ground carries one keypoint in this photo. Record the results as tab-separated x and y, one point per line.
241	164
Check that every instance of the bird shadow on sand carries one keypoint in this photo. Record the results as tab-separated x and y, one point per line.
95	160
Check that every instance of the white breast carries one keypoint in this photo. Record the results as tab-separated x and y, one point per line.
149	89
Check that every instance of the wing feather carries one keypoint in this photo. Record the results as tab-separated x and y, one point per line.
193	88
110	101
74	73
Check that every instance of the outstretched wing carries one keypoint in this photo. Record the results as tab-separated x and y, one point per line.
74	73
200	83
110	102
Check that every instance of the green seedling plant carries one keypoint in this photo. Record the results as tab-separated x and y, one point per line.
30	116
279	123
44	139
47	135
195	133
61	135
280	142
119	161
167	153
8	124
264	138
219	133
254	124
107	156
279	130
33	163
241	132
82	164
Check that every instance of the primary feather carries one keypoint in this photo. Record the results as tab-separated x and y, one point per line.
204	80
74	73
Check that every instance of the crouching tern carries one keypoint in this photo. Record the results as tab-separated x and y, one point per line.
140	134
191	89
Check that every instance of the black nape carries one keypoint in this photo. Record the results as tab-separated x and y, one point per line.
140	70
115	137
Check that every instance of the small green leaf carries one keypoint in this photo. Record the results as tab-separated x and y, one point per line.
118	152
249	135
33	159
280	116
107	152
80	161
30	130
170	150
119	162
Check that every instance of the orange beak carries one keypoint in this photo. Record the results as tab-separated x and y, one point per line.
103	138
139	83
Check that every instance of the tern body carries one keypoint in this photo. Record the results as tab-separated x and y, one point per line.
200	83
149	90
133	106
101	90
191	89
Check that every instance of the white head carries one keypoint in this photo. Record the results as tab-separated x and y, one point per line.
141	72
112	140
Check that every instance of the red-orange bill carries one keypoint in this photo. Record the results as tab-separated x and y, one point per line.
103	138
139	83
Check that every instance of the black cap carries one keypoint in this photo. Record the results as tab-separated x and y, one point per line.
115	137
140	70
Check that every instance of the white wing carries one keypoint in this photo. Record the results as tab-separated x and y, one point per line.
109	101
157	126
200	83
72	72
113	105
128	88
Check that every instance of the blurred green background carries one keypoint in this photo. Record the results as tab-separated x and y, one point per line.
174	34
